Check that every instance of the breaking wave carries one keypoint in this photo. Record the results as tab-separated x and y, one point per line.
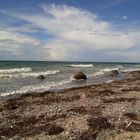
98	73
81	65
16	70
27	74
107	70
118	67
48	86
131	69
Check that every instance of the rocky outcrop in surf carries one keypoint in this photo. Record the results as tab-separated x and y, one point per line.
80	76
114	73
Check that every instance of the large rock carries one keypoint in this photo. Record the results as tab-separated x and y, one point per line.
114	73
41	77
134	74
80	76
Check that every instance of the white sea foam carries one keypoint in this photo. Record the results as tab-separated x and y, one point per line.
29	74
109	69
24	90
118	67
98	73
109	81
106	70
81	65
16	70
130	69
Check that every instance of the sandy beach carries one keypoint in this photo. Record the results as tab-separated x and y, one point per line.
107	111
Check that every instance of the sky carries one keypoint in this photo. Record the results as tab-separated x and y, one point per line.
70	30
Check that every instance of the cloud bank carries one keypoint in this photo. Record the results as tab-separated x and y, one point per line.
76	34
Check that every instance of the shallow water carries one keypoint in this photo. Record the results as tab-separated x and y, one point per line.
21	77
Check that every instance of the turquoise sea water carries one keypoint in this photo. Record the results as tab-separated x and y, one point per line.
18	77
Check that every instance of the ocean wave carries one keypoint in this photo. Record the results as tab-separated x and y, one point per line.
29	74
118	67
81	65
109	69
98	73
15	70
27	89
37	88
106	70
130	69
137	66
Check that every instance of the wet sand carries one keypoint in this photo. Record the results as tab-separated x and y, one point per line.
108	111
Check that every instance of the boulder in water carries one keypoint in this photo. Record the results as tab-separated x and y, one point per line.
114	73
80	76
41	77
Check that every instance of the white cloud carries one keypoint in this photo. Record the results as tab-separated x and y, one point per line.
17	38
23	29
124	17
121	17
14	43
74	30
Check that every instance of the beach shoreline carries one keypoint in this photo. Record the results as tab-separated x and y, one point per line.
108	111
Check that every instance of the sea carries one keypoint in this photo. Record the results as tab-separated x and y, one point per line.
19	77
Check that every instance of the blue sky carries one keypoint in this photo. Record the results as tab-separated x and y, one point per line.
70	30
